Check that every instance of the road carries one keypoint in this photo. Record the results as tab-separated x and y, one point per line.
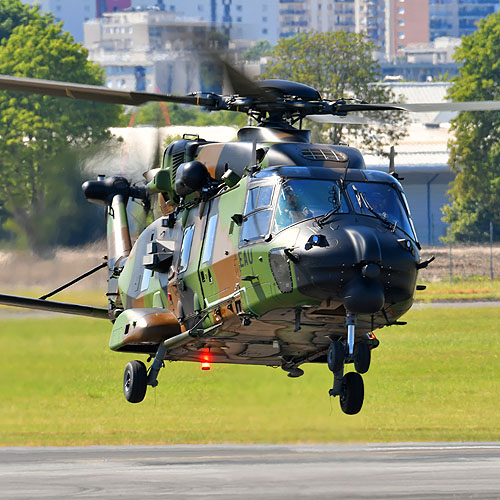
416	471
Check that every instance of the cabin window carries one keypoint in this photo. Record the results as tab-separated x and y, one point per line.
209	239
301	199
187	241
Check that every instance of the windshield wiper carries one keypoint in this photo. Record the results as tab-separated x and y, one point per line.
360	197
321	219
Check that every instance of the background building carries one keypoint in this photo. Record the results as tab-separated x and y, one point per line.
420	62
151	50
392	25
407	23
72	13
422	160
371	20
456	18
300	16
240	19
103	6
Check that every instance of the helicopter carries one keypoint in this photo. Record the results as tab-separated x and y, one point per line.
270	250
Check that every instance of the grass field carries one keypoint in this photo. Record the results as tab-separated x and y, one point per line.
478	288
436	379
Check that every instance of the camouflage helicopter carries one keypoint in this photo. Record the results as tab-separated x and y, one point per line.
270	250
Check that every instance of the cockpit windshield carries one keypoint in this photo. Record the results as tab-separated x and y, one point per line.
382	201
301	199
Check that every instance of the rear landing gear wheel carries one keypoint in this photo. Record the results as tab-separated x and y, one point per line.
353	393
135	381
336	356
362	358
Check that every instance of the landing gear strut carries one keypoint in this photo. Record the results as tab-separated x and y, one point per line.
350	386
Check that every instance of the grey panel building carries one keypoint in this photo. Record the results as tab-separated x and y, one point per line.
426	181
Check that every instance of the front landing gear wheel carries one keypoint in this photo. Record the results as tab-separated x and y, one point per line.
353	393
362	358
135	381
335	356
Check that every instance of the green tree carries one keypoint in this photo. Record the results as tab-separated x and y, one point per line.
36	130
475	147
340	65
14	13
259	49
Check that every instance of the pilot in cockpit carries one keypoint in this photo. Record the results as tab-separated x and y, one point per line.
292	206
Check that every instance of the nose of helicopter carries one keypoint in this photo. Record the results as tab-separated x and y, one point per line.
362	266
364	296
363	293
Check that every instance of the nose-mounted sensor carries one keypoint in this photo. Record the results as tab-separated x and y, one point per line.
371	270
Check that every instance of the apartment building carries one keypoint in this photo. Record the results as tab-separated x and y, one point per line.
390	24
148	50
240	19
407	24
456	18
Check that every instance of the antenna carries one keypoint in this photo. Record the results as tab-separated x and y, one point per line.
345	174
392	154
392	168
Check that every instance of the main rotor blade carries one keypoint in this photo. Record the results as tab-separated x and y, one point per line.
350	120
94	92
426	107
337	108
348	107
239	82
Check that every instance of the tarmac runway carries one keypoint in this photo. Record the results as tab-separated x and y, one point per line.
413	471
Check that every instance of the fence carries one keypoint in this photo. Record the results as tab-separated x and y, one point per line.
462	261
21	270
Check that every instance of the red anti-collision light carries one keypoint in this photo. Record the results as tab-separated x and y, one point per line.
206	365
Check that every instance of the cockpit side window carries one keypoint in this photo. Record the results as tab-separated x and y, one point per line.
258	197
407	207
257	216
301	199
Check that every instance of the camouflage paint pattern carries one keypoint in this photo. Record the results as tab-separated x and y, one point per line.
236	288
119	246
